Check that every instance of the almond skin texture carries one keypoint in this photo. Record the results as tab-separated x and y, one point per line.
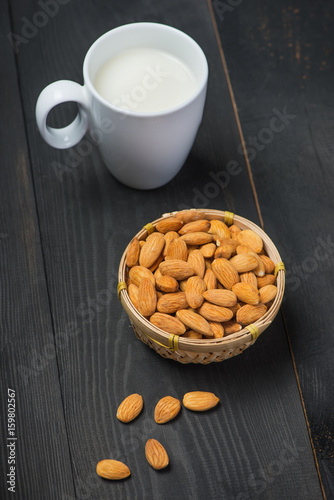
212	312
166	409
250	278
231	327
249	314
195	226
169	224
153	247
156	454
147	297
225	272
138	273
197	262
168	323
195	322
218	329
171	235
195	288
224	251
191	334
198	238
208	250
219	229
189	216
133	252
267	293
269	265
172	302
267	279
167	284
224	298
112	469
210	279
234	231
177	249
178	269
200	400
246	293
130	408
251	239
133	294
244	262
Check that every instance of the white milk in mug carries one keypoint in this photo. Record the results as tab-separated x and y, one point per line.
145	80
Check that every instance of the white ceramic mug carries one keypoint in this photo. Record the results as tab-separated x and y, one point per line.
142	150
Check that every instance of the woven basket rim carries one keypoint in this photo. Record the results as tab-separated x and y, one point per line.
234	340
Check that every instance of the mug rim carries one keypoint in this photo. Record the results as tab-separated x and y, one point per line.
88	82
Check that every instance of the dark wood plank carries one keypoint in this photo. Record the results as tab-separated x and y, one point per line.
280	57
39	447
256	441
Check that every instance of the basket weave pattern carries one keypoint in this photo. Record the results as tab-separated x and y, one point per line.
204	351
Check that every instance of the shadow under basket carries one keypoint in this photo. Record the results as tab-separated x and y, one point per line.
204	351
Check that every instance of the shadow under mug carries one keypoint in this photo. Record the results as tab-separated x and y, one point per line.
142	150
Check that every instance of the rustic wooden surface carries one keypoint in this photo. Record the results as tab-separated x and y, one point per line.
66	344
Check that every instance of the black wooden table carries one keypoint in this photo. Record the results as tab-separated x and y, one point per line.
68	353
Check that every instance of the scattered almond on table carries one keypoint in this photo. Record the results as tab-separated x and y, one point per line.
192	273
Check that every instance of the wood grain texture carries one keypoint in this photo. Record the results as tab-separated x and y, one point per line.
255	442
28	363
286	52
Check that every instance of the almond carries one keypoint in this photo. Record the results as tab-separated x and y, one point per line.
246	293
269	265
195	226
234	231
249	278
267	279
130	408
156	263
242	249
168	323
248	313
191	334
166	409
251	239
171	235
219	229
198	238
177	250
133	294
212	312
156	454
224	251
210	279
200	400
178	269
231	327
132	254
194	321
147	297
169	224
217	328
208	250
244	262
225	272
153	247
167	284
138	273
197	262
224	298
259	270
195	288
189	216
112	469
172	302
267	293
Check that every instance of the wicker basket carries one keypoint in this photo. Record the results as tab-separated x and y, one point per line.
187	350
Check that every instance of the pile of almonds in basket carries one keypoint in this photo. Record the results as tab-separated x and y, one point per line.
166	409
199	278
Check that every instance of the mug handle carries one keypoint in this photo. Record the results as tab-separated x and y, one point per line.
58	93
